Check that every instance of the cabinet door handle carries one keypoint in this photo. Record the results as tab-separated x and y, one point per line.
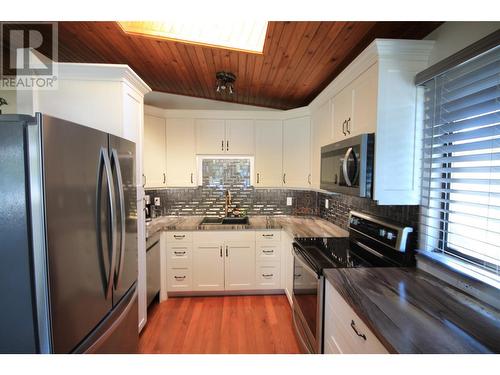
227	252
258	177
309	178
353	326
191	178
268	251
267	275
179	252
284	178
179	236
227	145
268	235
343	127
164	178
348	126
143	180
179	277
221	251
222	145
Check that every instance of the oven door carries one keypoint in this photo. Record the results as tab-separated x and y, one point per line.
307	298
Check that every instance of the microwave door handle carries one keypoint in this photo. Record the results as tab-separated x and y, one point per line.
344	167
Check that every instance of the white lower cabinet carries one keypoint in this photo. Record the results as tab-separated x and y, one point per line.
208	267
268	275
179	257
345	332
239	265
179	279
217	261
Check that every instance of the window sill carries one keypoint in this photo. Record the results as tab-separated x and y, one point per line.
462	275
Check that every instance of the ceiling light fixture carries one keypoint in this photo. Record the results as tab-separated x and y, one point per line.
225	81
246	36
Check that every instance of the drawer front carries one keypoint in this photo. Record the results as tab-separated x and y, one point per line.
179	279
176	237
268	251
268	275
342	323
267	235
179	255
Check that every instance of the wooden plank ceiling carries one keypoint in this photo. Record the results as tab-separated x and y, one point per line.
298	61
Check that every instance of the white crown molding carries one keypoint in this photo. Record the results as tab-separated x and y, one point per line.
379	49
102	72
226	115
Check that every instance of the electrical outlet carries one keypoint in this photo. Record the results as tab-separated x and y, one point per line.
157	201
327	204
288	201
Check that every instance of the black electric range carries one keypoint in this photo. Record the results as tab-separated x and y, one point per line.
372	242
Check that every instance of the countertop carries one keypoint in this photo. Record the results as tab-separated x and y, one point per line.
297	226
411	311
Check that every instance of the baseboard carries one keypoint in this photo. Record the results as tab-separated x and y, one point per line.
255	292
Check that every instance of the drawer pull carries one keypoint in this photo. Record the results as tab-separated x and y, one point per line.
177	236
353	326
297	275
268	251
179	277
268	235
179	252
267	275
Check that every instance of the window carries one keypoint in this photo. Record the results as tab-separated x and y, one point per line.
460	216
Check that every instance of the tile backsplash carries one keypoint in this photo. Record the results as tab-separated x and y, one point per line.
220	175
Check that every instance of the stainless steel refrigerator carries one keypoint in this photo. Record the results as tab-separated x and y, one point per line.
68	238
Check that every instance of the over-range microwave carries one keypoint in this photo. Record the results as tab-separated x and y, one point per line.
347	166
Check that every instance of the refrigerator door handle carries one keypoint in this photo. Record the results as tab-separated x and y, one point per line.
104	161
119	268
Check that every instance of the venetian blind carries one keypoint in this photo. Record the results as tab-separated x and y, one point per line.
460	214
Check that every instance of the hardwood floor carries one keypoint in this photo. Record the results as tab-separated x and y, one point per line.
220	325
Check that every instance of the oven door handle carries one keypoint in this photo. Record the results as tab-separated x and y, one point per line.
304	262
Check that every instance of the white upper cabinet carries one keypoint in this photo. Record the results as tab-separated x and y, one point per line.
240	137
268	153
321	120
354	109
342	113
181	153
296	152
230	137
210	137
155	164
364	103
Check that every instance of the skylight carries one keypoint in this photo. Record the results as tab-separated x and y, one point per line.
246	36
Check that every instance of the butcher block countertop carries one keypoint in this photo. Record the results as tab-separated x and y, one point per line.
297	226
411	311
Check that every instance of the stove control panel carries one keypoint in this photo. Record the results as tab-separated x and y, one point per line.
388	233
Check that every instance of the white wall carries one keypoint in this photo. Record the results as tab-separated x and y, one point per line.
451	37
10	96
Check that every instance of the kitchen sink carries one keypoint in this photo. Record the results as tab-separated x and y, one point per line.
225	220
235	220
